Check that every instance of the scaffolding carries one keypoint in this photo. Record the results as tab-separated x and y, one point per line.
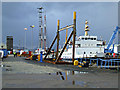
40	10
45	32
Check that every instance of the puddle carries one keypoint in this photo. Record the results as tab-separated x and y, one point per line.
62	75
76	72
8	69
11	85
81	83
3	65
65	75
83	72
8	66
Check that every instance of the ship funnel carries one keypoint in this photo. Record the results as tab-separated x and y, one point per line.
86	28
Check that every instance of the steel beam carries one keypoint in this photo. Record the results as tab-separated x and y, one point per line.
64	46
66	36
58	26
50	47
74	35
70	26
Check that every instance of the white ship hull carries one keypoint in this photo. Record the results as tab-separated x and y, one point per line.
85	46
79	53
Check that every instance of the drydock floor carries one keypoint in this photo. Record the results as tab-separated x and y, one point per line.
20	73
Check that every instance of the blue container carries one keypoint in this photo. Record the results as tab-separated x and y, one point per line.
5	52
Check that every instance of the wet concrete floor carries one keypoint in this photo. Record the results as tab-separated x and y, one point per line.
20	73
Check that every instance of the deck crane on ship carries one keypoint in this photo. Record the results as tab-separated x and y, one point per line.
108	50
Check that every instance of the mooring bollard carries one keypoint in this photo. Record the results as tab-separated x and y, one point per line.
41	56
76	62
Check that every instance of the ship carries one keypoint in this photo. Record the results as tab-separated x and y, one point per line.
86	46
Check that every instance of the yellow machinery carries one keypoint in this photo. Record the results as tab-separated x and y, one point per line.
76	62
39	57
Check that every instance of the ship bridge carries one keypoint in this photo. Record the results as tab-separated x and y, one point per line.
87	38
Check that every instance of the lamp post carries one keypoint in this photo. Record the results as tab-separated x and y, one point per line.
32	36
25	37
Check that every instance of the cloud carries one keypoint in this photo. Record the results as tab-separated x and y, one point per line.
102	18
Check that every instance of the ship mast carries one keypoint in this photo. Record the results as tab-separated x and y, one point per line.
86	28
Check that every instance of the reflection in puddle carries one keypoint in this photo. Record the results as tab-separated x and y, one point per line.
62	76
8	69
69	72
77	72
3	65
8	66
65	76
81	83
56	73
74	72
73	82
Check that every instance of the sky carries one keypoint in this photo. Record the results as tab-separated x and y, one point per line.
102	18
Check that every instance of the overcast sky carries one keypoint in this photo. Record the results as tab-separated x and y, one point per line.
102	18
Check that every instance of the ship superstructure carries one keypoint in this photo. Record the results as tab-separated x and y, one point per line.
86	46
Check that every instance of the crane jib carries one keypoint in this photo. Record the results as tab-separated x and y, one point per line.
111	40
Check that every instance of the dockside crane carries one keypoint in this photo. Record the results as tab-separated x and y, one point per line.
108	50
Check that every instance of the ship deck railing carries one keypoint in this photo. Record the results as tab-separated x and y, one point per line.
107	63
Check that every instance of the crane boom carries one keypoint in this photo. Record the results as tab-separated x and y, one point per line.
111	41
